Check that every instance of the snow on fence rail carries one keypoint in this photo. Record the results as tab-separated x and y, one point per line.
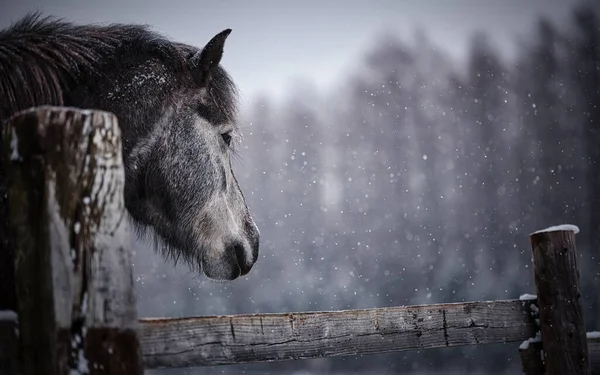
76	312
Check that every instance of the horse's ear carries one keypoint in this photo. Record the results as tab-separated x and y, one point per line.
210	56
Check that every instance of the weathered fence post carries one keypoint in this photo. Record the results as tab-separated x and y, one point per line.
8	343
73	276
561	315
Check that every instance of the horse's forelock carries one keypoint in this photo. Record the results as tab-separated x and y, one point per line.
224	94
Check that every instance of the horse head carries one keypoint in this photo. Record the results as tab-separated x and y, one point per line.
176	107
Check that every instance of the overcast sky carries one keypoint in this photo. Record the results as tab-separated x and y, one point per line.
275	41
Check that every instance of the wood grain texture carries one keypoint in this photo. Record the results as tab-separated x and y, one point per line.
218	340
9	343
594	353
531	357
73	276
206	341
559	300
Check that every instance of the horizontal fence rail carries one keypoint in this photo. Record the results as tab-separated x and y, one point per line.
219	340
253	338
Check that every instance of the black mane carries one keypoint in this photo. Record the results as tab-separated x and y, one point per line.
43	58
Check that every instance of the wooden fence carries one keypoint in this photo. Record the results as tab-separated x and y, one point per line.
76	311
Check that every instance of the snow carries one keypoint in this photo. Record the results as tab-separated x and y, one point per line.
525	344
534	309
538	338
87	122
556	228
14	146
8	315
77	343
82	364
527	297
594	335
86	164
137	81
84	303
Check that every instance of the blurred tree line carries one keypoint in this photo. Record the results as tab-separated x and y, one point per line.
419	181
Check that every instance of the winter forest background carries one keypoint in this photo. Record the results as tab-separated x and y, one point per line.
417	180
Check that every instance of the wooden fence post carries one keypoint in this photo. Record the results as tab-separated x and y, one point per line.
561	315
75	300
8	343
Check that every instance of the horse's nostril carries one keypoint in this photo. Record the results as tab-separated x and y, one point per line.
240	255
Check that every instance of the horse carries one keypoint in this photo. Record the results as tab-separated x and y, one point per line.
177	110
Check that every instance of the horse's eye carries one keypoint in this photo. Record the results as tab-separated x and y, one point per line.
226	138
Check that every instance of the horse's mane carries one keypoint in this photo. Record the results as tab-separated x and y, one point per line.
43	58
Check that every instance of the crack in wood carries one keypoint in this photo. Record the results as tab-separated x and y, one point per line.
262	330
445	325
473	324
232	330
